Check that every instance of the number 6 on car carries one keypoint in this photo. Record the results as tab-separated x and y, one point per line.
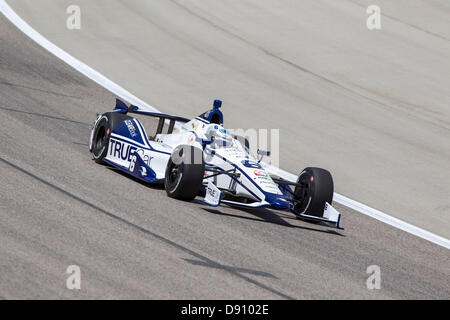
132	163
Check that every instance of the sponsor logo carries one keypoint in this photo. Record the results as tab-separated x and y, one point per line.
146	158
211	192
264	179
261	173
131	128
143	171
121	150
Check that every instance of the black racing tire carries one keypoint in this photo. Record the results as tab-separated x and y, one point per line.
316	189
102	132
184	173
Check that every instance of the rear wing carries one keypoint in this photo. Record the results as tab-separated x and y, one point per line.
121	107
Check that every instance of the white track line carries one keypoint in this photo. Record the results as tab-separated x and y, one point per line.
121	92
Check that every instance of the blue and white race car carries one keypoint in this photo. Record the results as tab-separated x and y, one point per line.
198	157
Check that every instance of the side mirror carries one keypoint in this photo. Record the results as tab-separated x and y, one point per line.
262	153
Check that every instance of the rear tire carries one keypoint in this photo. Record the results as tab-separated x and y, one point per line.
317	189
184	173
102	132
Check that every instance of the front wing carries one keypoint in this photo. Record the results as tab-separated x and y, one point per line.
213	197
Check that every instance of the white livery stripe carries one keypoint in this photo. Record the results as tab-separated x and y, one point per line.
124	94
144	137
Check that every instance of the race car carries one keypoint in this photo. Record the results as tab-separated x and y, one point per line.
199	157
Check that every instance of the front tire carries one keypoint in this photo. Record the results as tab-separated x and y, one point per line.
184	173
316	189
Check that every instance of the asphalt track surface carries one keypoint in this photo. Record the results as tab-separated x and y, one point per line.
371	106
59	208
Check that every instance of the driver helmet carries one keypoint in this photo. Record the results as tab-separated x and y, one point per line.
219	134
